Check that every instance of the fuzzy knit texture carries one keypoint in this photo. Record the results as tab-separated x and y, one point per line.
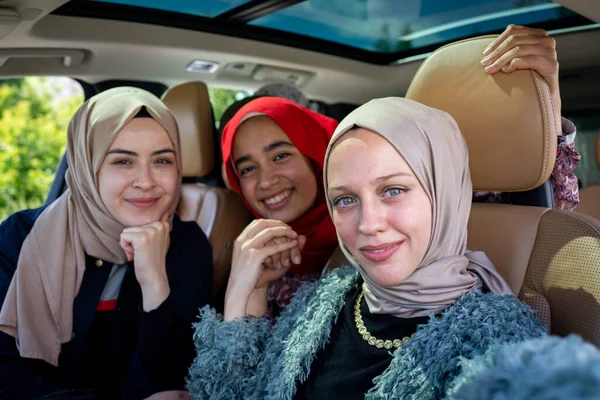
547	368
480	333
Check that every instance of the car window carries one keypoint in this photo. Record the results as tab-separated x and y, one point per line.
220	99
588	127
34	116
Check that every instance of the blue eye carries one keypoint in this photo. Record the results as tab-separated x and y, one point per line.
344	201
164	161
394	192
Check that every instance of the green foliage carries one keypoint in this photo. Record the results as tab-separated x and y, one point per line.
34	115
223	98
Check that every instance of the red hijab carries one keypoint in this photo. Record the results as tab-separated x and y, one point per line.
310	133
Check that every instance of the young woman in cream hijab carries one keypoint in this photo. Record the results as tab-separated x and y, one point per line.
100	288
416	316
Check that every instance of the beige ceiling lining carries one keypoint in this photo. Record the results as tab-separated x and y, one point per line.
125	50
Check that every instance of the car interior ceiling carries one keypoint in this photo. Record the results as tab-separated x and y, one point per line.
110	37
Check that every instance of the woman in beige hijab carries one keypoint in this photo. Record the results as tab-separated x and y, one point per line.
398	322
100	288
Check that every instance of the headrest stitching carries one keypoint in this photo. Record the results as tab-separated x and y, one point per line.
546	127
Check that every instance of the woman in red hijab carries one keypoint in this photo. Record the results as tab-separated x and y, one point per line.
273	150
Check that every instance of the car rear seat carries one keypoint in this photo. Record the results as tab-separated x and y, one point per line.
218	211
550	258
589	196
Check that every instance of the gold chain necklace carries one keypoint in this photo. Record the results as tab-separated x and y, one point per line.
372	340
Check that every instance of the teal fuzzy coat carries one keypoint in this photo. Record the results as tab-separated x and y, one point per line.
483	346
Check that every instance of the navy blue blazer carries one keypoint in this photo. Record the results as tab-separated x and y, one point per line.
148	351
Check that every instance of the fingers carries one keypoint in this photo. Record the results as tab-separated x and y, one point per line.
139	236
539	59
529	62
258	225
296	255
296	252
269	262
277	248
284	257
275	257
267	234
510	31
128	249
158	226
301	242
518	42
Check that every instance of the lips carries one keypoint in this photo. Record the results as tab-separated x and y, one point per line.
380	252
143	202
278	200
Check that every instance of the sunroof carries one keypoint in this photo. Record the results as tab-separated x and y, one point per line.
201	8
375	31
389	26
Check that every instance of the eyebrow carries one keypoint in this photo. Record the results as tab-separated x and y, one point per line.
134	154
266	149
375	181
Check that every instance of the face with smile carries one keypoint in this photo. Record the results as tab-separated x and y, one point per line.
275	178
138	178
380	210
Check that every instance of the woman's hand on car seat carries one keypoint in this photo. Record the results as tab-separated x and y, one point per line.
520	47
250	250
147	247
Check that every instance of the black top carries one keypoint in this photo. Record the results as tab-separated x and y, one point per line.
126	353
346	367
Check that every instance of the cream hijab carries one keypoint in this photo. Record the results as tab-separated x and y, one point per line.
38	309
430	142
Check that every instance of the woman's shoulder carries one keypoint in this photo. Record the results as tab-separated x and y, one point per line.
22	220
13	232
14	229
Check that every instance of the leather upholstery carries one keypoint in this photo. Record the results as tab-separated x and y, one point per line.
550	258
218	211
222	216
499	115
190	104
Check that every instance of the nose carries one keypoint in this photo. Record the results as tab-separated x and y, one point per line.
144	178
373	218
267	177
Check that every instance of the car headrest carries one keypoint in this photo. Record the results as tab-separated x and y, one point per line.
508	120
190	104
598	149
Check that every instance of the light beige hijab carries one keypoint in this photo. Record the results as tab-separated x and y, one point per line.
38	309
431	144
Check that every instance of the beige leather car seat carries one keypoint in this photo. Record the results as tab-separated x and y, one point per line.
589	196
219	212
550	258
